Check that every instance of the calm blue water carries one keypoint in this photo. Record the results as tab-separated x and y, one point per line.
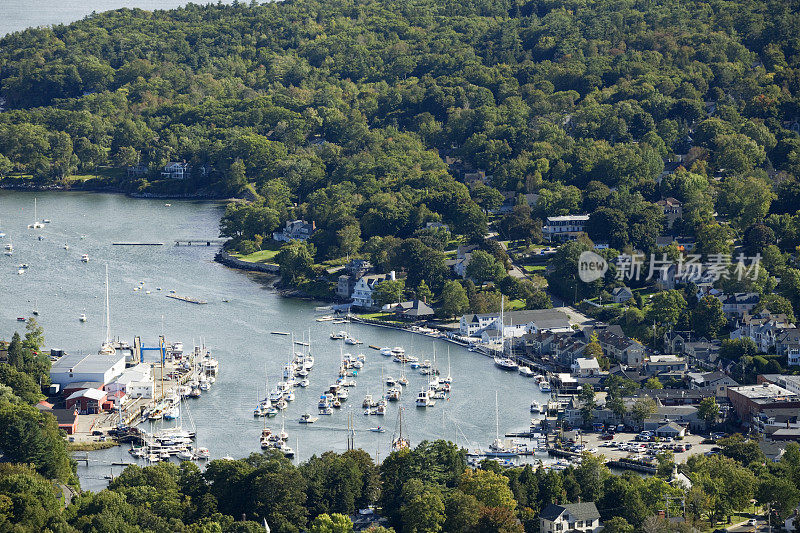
237	332
16	15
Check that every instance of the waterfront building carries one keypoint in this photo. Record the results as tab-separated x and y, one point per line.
87	401
100	368
364	287
134	382
515	323
175	170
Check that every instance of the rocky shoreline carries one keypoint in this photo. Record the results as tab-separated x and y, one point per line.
228	260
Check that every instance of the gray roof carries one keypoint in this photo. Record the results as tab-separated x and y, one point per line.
579	511
543	318
86	363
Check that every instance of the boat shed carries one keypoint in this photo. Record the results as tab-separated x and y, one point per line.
100	368
88	401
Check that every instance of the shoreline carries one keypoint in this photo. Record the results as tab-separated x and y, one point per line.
116	190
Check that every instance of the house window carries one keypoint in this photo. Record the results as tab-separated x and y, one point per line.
579	523
559	527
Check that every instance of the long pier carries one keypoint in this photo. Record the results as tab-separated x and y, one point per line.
198	242
186	299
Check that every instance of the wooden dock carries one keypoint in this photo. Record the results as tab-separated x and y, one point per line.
198	242
186	299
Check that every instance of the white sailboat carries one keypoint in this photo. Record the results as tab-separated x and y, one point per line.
107	348
36	224
9	247
83	318
498	448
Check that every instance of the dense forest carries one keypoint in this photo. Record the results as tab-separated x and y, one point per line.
342	111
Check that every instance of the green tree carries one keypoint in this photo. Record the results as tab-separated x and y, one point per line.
423	508
335	523
296	261
617	524
653	384
666	307
483	267
708	410
642	409
490	489
423	292
389	291
538	300
454	300
707	317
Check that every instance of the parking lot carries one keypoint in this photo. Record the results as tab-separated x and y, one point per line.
625	445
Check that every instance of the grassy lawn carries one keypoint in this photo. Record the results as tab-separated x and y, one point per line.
534	268
515	305
382	317
261	256
99	173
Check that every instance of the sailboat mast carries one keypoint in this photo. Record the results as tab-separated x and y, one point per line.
108	311
496	418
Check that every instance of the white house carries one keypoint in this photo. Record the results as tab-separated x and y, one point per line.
583	517
175	170
515	323
295	230
564	228
364	287
93	367
764	328
585	367
135	382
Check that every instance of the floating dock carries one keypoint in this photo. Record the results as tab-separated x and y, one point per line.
186	299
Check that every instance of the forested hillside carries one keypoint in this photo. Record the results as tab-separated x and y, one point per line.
340	106
372	119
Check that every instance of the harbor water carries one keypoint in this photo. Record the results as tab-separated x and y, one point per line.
236	325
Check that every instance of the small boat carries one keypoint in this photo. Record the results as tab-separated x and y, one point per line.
66	246
203	453
390	381
526	371
386	352
304	383
505	363
544	386
535	407
185	455
378	429
83	318
46	220
20	319
85	258
326	411
20	271
351	341
338	335
424	399
306	418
